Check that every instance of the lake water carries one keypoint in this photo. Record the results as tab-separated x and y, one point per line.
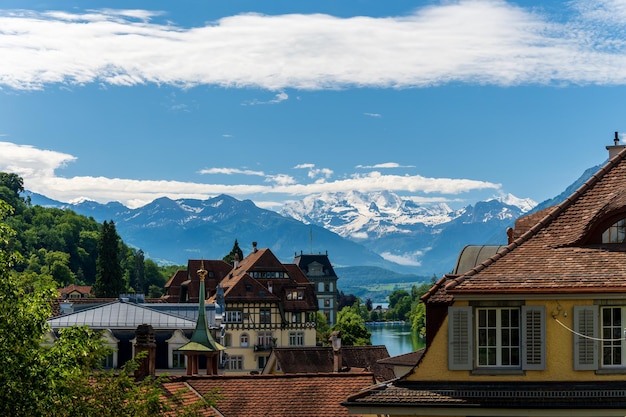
399	339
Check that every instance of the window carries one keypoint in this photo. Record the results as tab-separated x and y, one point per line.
228	340
296	317
295	295
615	233
265	316
234	362
264	340
327	302
178	360
612	336
599	341
262	360
244	340
296	338
496	338
234	316
107	362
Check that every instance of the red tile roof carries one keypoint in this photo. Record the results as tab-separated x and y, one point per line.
561	253
292	395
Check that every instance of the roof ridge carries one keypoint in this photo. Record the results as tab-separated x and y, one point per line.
551	215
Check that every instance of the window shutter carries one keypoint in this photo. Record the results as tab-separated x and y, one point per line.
585	350
534	338
460	338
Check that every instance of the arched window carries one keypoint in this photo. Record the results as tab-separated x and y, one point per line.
228	340
615	233
244	340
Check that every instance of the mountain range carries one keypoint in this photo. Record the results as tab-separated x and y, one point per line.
356	229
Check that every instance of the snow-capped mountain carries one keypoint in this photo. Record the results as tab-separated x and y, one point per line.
357	229
428	237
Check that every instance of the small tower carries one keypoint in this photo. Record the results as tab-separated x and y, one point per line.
201	342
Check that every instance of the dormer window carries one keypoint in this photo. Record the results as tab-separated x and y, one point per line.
615	233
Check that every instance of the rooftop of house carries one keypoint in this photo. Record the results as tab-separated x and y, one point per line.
407	359
304	261
293	395
562	253
121	316
294	360
83	290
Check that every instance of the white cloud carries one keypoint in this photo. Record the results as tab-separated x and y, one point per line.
405	259
470	41
304	166
375	115
385	165
38	169
280	97
231	171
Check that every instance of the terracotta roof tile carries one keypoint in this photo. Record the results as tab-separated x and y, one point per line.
555	255
291	395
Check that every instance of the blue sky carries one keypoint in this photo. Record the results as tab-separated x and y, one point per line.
440	101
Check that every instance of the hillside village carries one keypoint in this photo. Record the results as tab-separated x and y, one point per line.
532	328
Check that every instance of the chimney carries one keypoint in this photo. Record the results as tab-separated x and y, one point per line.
335	341
145	343
616	148
254	249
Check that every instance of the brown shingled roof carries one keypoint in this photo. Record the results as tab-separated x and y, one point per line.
293	395
293	360
561	253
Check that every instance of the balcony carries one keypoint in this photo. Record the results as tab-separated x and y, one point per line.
262	348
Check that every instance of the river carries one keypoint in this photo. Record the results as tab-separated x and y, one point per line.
399	339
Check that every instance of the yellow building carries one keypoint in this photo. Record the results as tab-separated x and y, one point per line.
537	329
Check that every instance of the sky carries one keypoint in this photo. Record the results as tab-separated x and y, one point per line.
273	100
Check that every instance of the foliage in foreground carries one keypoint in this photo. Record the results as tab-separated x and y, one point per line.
40	379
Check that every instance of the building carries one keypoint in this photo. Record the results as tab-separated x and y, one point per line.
320	272
266	304
325	359
119	320
536	329
73	291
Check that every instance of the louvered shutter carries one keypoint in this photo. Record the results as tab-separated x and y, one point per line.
460	338
533	338
585	349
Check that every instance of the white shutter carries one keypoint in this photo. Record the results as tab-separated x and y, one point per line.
533	338
585	349
460	338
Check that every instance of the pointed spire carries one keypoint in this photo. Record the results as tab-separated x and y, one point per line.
201	340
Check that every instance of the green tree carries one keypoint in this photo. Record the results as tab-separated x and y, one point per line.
352	328
109	275
322	329
58	380
154	277
236	250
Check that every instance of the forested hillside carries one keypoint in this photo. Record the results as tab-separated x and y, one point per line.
64	245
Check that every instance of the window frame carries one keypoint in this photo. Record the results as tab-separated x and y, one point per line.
462	350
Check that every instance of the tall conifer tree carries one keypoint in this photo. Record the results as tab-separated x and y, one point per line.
109	276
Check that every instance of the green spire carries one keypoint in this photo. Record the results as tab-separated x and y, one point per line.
201	340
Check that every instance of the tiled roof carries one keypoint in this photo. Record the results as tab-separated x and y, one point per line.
558	254
289	395
83	289
294	360
407	359
504	395
186	396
